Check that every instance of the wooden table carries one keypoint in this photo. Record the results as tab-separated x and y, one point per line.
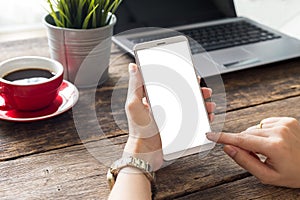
48	160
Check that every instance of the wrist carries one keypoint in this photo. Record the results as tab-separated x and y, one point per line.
130	167
139	174
148	149
133	171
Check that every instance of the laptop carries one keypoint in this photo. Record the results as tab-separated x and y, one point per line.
228	43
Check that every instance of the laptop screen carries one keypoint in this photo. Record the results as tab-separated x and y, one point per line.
168	13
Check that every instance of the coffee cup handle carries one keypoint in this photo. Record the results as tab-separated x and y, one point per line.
5	105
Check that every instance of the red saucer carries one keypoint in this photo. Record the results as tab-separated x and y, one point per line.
66	99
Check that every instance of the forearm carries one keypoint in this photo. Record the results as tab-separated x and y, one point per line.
131	184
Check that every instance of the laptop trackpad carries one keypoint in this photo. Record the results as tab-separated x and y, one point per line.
235	57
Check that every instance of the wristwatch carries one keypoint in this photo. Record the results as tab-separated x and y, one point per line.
129	162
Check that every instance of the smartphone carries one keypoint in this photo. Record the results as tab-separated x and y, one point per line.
174	95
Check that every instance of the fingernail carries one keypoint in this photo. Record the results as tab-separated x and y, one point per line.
229	150
212	136
132	68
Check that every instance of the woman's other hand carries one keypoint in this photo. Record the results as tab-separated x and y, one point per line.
278	139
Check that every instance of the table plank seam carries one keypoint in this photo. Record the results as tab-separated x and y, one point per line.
258	104
64	147
223	182
39	152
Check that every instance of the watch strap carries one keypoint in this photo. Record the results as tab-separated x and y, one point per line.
130	161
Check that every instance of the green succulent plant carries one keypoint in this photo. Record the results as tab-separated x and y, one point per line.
82	14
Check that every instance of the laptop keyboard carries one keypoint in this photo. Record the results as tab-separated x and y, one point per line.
218	36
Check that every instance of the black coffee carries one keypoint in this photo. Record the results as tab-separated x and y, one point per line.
28	76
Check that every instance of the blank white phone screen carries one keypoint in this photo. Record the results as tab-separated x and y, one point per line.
174	96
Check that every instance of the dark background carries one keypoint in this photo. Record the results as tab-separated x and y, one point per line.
168	13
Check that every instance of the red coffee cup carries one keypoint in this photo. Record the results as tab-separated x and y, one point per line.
29	83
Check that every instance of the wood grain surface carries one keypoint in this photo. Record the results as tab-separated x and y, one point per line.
66	157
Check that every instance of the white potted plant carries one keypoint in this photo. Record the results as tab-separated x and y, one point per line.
79	36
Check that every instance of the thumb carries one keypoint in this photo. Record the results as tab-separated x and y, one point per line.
136	110
135	86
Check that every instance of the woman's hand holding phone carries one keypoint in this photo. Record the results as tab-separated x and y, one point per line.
144	140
